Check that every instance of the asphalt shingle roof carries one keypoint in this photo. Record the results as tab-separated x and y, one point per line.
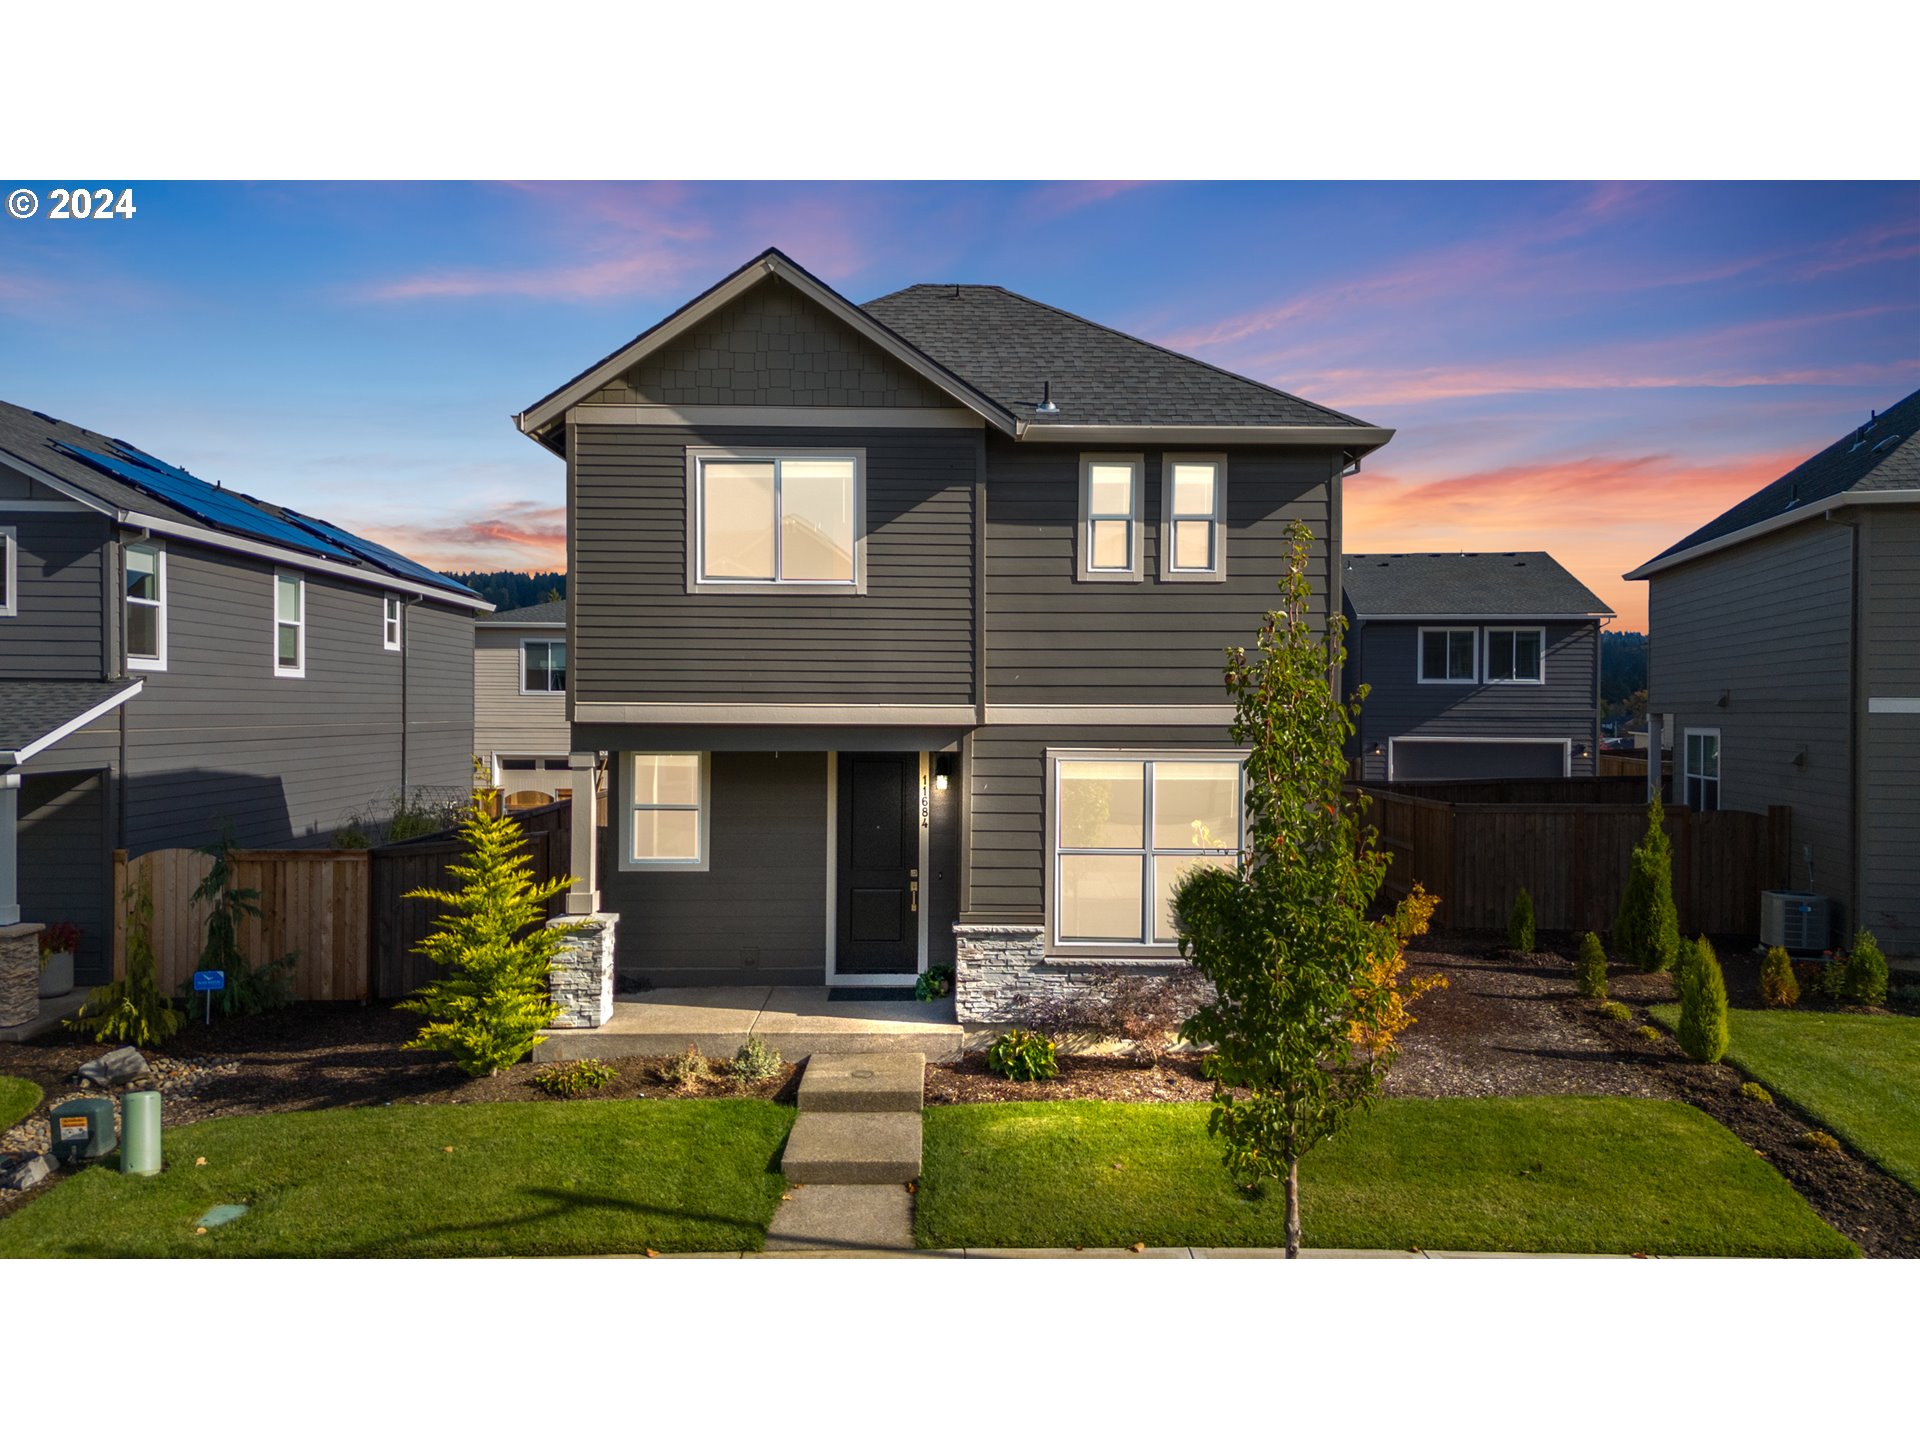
1008	347
547	612
1883	455
45	443
30	709
1517	584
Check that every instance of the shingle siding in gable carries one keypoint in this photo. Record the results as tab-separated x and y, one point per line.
772	346
1052	639
640	637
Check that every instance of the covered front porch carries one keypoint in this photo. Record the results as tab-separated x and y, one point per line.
795	1020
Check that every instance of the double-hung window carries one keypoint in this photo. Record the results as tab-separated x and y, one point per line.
144	617
1108	545
1517	657
9	572
665	817
1193	535
1126	827
289	624
543	667
1447	657
390	622
1703	769
788	520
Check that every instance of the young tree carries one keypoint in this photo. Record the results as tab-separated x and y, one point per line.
1779	986
495	947
1863	979
248	990
1308	992
1520	923
1647	931
1591	968
1703	1004
132	1010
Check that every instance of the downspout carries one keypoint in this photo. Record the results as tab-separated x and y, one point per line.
1854	736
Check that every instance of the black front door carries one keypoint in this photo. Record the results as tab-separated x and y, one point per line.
878	895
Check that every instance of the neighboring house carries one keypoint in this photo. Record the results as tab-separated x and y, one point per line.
1785	658
1481	667
520	698
901	625
178	660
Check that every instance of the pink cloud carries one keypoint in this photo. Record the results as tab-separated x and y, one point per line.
1063	197
520	535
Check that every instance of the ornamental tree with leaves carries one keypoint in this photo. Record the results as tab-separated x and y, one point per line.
248	990
495	948
1309	997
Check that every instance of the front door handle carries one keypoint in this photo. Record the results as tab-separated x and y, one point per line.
913	896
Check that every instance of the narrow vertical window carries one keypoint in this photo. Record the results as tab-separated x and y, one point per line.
145	612
9	572
1703	769
1193	533
390	622
543	667
1108	545
289	623
666	811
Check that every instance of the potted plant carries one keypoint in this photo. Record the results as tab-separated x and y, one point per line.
57	944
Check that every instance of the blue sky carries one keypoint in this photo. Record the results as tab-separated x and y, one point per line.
1592	369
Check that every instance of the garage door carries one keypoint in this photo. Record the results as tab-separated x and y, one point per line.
1478	759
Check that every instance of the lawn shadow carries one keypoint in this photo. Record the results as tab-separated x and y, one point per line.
566	1203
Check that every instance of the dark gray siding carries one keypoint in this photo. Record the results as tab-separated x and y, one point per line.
65	864
1768	625
639	636
1385	657
757	915
1007	844
1054	640
1890	741
58	632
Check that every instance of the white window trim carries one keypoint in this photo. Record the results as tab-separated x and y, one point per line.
705	811
1083	534
297	671
392	621
1486	652
698	584
9	572
144	662
1687	775
1218	570
1420	654
1050	839
540	640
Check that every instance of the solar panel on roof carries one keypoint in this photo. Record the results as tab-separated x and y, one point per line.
389	560
218	508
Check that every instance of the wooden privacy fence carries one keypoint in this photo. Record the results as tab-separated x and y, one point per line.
397	925
1572	858
311	901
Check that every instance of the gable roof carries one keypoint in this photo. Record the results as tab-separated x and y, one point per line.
1011	346
140	489
546	612
993	351
1507	585
1877	458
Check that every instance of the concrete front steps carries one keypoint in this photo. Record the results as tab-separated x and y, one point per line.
851	1154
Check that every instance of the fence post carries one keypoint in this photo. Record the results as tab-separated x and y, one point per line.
119	900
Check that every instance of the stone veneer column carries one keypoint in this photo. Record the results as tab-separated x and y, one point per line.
581	980
19	973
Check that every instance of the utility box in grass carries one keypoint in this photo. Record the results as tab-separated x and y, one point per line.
82	1129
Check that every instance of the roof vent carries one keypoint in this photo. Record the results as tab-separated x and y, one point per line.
1890	440
1046	405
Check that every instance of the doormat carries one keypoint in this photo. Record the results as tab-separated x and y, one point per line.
870	992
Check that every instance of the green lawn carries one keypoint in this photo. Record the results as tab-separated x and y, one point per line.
1858	1075
17	1099
1541	1174
522	1179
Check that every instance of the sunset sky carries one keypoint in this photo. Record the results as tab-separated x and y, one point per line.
1587	369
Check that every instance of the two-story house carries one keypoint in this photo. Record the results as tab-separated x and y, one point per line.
1478	666
901	625
520	698
179	660
1785	668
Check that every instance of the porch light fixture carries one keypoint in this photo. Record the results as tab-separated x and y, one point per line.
943	768
1580	752
1376	748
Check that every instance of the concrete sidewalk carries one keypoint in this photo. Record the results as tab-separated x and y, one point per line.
1177	1252
796	1020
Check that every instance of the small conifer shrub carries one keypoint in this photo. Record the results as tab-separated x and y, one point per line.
1590	969
1649	1034
1520	923
1863	980
1779	986
1614	1010
1647	929
1754	1091
1818	1140
1703	1005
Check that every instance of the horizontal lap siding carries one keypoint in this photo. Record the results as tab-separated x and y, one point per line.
1767	624
640	637
1007	843
1890	656
505	722
57	632
1386	658
439	641
1054	639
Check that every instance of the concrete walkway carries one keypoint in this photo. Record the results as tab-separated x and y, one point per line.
1177	1252
852	1156
796	1020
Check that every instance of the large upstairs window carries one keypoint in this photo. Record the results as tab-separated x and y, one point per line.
776	520
1517	657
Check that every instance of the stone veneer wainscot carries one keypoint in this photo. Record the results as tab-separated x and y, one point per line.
1001	971
19	973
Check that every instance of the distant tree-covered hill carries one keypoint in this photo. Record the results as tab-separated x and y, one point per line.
510	589
1623	664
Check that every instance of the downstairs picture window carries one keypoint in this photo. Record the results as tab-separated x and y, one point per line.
1126	828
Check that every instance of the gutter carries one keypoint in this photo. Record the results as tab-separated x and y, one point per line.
1526	617
1772	523
1353	437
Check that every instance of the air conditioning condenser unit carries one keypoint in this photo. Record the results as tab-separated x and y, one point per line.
1796	920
